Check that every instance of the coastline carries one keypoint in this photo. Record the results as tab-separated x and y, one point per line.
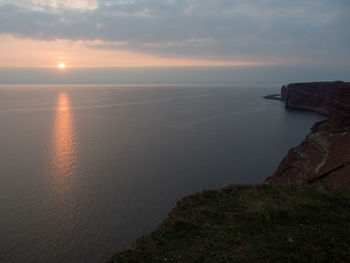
323	156
229	224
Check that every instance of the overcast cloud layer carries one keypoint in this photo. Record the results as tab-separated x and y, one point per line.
300	31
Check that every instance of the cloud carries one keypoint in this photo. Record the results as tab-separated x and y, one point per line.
307	31
53	4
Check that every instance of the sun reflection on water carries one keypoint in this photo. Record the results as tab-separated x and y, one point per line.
63	163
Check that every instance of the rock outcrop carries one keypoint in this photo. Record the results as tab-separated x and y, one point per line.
313	96
324	156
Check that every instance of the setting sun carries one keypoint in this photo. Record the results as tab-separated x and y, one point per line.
61	65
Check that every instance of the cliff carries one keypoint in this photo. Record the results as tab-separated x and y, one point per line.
339	107
268	223
324	156
250	223
313	96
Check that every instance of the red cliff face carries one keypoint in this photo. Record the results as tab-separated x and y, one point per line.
313	96
339	107
324	156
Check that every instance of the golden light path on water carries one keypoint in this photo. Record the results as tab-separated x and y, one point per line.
63	152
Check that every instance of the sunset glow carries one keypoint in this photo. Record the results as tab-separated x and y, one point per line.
93	34
77	54
61	65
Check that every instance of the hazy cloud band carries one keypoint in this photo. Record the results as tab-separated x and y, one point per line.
308	31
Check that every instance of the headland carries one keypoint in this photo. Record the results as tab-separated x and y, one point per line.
299	214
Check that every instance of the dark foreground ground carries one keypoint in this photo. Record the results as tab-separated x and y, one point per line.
243	223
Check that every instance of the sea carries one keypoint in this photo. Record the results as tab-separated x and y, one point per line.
85	170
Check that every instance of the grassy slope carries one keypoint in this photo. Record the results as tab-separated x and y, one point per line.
258	223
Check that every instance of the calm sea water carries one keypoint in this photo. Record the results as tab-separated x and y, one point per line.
85	170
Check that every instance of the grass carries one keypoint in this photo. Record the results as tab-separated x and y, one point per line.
251	223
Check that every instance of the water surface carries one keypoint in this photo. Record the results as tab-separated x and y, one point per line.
85	170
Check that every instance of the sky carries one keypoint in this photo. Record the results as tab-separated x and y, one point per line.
250	34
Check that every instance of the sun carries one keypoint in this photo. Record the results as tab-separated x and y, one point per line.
61	65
